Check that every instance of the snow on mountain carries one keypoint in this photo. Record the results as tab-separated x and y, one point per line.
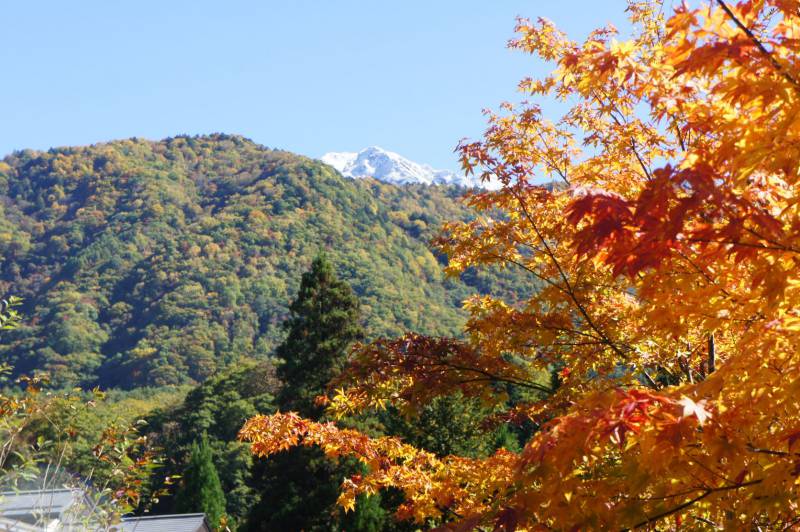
390	167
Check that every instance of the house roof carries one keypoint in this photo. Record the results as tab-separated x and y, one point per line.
165	523
22	510
47	502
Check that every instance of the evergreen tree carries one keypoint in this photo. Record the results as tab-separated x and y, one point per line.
201	490
299	488
323	324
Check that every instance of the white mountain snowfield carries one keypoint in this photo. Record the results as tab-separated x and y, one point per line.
390	167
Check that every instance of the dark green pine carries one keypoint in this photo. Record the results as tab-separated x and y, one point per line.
201	490
324	322
299	487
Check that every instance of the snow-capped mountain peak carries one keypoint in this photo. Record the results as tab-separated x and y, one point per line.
390	167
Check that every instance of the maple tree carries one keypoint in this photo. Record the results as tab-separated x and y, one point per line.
666	250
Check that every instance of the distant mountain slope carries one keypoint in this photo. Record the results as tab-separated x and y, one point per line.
159	262
390	167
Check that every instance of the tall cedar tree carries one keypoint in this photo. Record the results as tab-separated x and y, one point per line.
300	487
323	324
201	490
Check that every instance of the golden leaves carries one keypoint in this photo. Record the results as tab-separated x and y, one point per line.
672	215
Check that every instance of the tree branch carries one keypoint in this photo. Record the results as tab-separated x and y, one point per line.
763	49
705	493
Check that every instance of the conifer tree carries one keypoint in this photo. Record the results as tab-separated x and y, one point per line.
299	488
323	324
201	490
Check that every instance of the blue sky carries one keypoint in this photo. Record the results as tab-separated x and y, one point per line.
307	76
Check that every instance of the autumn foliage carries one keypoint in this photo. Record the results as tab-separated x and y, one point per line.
667	252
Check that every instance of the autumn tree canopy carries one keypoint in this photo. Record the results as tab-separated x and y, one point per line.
667	253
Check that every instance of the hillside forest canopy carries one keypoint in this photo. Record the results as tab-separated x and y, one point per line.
146	263
163	273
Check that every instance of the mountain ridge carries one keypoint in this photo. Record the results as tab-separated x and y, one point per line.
391	167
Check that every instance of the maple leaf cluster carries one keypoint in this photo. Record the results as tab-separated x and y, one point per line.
665	246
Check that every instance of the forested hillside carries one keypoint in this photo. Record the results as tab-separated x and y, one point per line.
153	263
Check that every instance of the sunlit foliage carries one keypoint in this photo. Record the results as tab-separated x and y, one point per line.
667	261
